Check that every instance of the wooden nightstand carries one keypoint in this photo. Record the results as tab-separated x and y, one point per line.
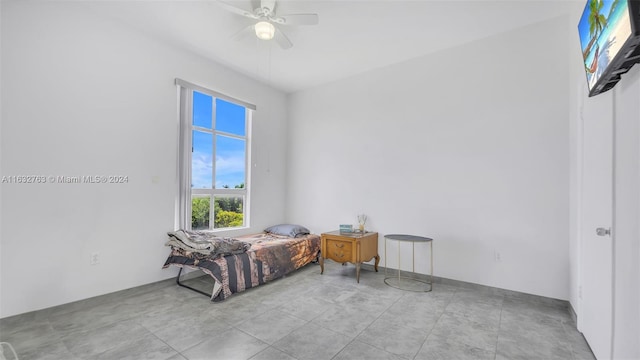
355	248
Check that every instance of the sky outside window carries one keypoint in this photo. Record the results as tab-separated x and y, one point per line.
230	117
202	110
230	164
230	152
202	160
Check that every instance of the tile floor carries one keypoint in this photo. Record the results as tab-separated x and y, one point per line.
303	316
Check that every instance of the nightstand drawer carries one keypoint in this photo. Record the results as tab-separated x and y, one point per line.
339	250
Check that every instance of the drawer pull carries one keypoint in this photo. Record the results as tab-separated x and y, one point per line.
338	245
339	255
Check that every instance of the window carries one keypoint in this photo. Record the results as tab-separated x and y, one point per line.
213	161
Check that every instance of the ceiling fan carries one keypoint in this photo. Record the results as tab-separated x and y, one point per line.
266	27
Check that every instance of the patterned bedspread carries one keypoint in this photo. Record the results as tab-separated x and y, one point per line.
270	257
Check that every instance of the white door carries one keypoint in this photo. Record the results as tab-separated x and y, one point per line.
596	274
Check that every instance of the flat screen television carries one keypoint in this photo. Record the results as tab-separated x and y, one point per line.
609	37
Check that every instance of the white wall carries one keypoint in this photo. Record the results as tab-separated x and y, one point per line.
576	87
469	146
84	95
1	171
626	298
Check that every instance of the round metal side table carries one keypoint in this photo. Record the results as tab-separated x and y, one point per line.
404	282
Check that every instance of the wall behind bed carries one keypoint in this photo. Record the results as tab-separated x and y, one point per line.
86	95
469	145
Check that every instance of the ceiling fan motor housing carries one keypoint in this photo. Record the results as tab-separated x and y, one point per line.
266	9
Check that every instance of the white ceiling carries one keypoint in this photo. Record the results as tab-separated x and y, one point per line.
353	36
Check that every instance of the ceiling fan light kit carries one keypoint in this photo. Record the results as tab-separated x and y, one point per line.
265	30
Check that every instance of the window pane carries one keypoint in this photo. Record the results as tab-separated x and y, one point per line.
230	117
228	211
202	109
230	162
200	210
202	160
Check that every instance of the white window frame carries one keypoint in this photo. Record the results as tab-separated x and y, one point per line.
186	128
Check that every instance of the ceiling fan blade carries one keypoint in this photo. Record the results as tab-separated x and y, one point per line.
282	39
245	32
297	19
237	10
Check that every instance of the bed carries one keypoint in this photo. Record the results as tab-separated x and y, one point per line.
241	263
